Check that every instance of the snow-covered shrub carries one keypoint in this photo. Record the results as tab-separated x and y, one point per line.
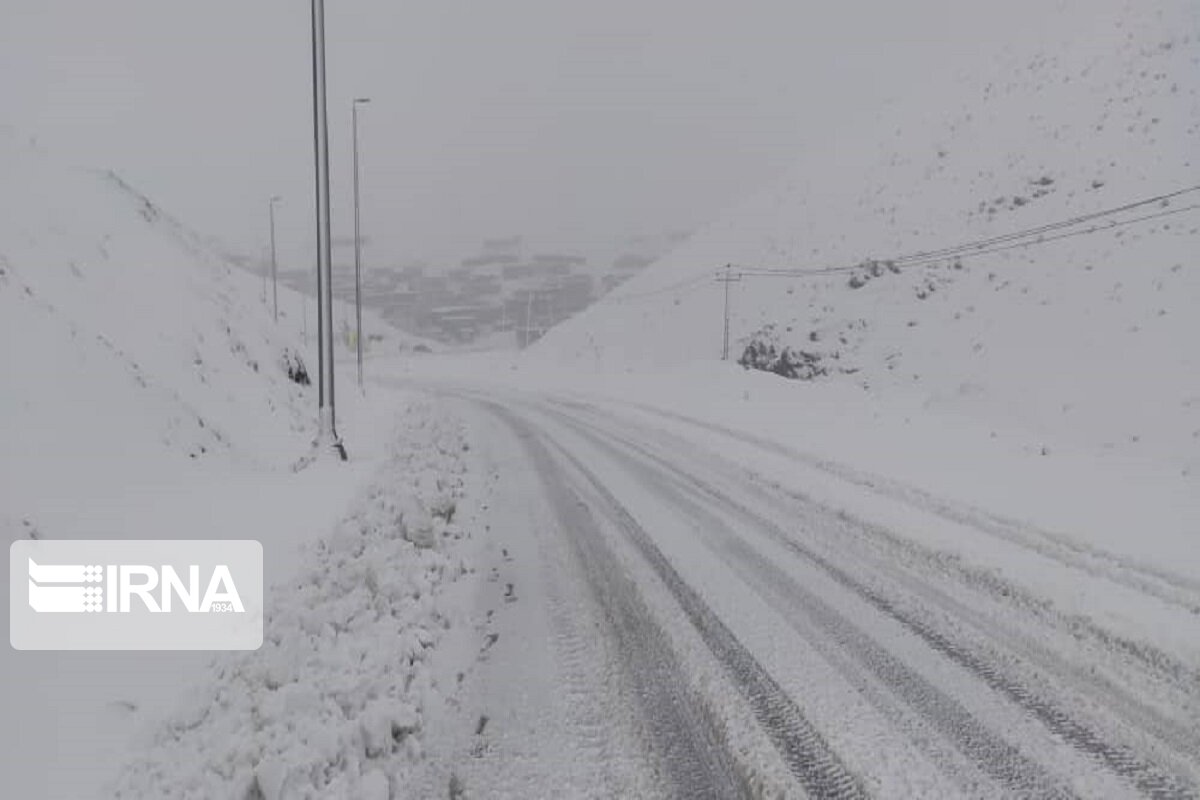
764	352
293	365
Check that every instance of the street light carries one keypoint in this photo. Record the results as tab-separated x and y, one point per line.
274	264
327	431
357	243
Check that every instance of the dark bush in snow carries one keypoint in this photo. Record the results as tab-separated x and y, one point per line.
293	365
763	352
871	268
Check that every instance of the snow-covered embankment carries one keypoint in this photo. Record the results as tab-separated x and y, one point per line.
331	706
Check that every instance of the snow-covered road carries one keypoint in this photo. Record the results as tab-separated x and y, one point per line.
663	619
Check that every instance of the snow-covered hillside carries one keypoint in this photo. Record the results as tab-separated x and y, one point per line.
1088	340
129	344
146	394
134	350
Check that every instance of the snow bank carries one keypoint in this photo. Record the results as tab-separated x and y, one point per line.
331	706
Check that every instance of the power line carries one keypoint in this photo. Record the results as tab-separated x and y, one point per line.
1085	232
975	253
1029	237
994	244
1053	226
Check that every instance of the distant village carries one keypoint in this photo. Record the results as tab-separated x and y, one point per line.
503	294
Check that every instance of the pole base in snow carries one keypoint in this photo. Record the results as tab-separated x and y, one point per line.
321	449
333	447
327	442
327	439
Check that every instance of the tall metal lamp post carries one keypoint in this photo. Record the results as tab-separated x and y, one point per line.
274	263
327	437
358	338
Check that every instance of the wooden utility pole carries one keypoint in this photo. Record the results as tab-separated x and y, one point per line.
727	278
528	317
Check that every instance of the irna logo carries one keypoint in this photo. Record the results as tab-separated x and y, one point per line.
78	588
135	595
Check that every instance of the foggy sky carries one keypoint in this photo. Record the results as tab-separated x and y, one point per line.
572	123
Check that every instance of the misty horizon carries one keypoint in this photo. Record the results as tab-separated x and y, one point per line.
575	128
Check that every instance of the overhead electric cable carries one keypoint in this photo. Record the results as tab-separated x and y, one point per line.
1013	240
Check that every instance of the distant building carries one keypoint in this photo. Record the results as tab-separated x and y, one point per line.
463	323
431	283
515	271
557	259
498	289
489	259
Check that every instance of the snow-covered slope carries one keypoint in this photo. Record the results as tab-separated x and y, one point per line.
131	351
145	394
1089	339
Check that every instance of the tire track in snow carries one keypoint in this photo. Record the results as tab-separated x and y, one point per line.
810	759
692	755
1178	590
581	669
990	752
1119	758
1181	680
1121	701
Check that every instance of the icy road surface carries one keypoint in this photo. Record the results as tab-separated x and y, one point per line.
660	620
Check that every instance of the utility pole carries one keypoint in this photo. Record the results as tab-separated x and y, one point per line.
528	315
274	264
327	437
727	278
358	339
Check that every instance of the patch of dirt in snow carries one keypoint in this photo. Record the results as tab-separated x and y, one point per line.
331	705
